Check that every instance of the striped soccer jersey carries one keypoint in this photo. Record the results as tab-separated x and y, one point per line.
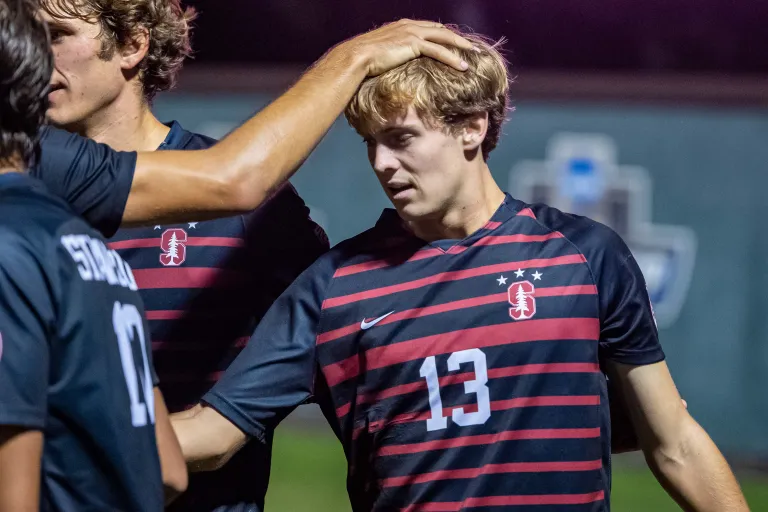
458	374
205	286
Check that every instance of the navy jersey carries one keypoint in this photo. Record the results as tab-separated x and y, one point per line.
74	356
92	178
459	374
205	286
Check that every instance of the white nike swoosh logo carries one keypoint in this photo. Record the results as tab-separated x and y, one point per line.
367	325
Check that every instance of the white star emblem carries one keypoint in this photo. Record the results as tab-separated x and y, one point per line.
157	227
519	272
192	225
502	280
537	276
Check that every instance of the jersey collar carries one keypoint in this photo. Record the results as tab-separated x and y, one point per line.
177	137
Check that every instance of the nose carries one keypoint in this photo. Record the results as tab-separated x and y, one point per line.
382	159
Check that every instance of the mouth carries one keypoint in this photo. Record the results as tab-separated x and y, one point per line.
55	87
399	190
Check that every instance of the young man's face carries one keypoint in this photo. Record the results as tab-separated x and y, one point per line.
83	81
419	167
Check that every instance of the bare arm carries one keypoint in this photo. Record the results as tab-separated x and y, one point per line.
679	452
238	174
20	453
175	478
208	439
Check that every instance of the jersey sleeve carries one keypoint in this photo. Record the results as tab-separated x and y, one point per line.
628	327
275	372
93	178
280	236
26	317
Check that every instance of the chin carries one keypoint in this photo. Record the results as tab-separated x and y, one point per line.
414	211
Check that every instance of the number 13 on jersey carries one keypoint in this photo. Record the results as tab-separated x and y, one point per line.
478	386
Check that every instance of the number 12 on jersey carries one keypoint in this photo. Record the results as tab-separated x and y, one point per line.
478	386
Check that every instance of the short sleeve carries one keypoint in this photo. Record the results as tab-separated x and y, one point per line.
628	327
275	372
93	178
26	315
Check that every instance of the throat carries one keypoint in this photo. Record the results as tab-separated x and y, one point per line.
460	221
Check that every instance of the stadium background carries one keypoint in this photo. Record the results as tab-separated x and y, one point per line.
677	88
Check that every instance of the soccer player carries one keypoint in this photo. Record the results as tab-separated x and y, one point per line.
81	421
460	347
205	285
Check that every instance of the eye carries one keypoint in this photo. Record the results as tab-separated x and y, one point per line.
56	35
402	139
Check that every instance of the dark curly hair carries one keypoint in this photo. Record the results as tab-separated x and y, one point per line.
166	21
26	64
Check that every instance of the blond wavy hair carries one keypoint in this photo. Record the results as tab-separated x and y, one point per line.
442	96
166	21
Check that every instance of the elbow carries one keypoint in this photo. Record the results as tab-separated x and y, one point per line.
241	187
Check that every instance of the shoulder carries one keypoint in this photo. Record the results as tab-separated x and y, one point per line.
593	239
33	214
349	250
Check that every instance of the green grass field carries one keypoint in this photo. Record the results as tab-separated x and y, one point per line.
308	472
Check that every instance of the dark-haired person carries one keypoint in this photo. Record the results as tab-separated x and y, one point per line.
81	421
205	285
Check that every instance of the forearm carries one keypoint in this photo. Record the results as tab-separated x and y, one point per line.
241	171
695	474
207	439
20	454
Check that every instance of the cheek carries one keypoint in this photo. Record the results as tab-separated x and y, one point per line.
74	59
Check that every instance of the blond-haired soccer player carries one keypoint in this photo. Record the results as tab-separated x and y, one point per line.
458	346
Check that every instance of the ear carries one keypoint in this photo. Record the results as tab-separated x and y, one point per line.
135	49
474	130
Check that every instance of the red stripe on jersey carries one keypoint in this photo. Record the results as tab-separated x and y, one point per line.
500	501
492	225
493	373
488	439
526	212
184	277
512	239
167	314
499	405
476	337
456	305
454	275
493	469
373	265
194	241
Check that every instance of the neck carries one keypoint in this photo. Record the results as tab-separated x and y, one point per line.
127	124
471	209
13	164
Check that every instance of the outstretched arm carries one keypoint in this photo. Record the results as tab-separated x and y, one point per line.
238	174
679	452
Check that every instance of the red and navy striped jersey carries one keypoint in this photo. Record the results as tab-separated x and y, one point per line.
459	374
205	286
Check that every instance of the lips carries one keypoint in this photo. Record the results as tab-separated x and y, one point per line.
399	190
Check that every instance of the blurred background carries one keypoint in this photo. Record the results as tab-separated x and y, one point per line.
651	116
